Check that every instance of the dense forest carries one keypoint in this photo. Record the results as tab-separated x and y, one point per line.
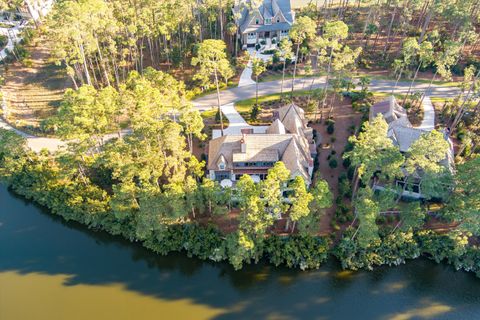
100	41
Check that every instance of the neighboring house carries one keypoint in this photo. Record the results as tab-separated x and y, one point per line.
271	20
403	135
29	9
287	139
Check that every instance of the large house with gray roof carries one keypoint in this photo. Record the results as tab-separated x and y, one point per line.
404	134
271	20
287	139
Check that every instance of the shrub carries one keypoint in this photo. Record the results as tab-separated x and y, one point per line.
275	60
255	112
344	187
330	126
333	163
271	51
3	41
257	46
350	173
346	163
304	252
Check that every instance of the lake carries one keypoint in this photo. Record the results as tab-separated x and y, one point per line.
50	269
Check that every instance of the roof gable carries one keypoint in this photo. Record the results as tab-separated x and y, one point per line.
267	10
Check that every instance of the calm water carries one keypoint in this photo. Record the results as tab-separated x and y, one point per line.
55	270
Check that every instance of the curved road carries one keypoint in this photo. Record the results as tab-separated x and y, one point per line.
240	93
271	87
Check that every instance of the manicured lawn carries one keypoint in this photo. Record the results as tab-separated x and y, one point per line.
275	77
427	81
209	118
246	105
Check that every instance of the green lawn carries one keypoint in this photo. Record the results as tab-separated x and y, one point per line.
246	105
210	115
436	82
191	94
275	77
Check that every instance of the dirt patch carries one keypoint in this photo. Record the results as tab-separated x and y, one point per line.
347	121
415	113
33	90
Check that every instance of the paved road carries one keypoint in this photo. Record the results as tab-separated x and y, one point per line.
265	88
229	96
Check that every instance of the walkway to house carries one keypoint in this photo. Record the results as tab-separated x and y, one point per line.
428	122
246	76
236	123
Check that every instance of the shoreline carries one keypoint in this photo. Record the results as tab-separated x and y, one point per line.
190	239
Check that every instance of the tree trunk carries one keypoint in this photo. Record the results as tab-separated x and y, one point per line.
390	29
256	90
283	78
102	62
429	86
218	100
426	23
295	66
220	17
398	79
328	77
411	84
461	111
87	74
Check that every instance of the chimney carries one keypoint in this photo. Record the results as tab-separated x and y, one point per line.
243	144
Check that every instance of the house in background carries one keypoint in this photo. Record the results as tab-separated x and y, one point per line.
404	134
29	9
287	139
271	20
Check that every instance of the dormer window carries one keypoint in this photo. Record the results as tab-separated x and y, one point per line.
278	19
268	21
257	21
221	166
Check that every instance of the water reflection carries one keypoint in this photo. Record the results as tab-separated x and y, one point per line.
87	267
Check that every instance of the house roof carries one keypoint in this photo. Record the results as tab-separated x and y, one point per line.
258	147
292	147
268	9
276	127
404	137
400	129
389	109
267	27
257	155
